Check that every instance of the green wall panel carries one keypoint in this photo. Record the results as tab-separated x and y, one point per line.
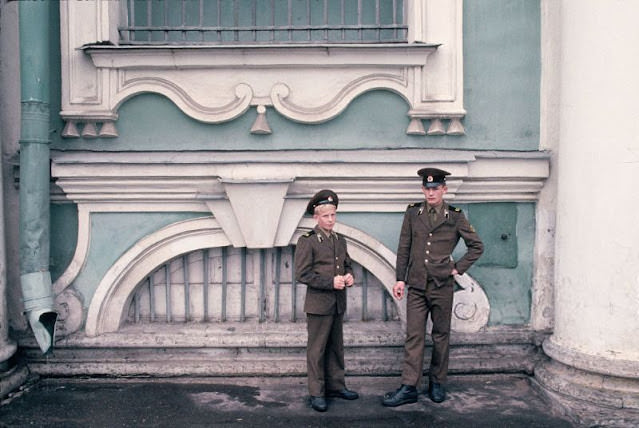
496	223
509	288
384	227
502	68
64	237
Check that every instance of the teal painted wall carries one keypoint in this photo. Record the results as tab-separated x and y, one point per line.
501	90
64	237
502	68
382	226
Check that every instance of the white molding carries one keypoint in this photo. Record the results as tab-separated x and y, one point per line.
381	180
218	83
211	182
281	183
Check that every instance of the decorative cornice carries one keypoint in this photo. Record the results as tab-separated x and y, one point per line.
281	182
385	178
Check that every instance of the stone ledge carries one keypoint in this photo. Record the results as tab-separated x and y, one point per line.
256	350
234	334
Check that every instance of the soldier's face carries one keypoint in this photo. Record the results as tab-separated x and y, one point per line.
326	216
434	195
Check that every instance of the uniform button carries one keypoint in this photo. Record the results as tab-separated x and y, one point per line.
430	234
426	261
428	243
427	252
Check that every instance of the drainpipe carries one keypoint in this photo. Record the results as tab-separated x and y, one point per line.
35	277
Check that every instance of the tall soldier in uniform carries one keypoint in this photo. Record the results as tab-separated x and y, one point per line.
429	234
323	264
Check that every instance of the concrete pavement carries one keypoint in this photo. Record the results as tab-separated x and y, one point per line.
473	401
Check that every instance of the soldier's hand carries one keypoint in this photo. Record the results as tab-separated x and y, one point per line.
338	282
348	280
398	290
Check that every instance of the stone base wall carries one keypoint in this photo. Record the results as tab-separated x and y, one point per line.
259	350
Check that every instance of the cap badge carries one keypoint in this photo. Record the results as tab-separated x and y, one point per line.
429	179
330	199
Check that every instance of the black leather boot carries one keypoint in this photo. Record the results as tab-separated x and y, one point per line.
319	404
436	392
404	395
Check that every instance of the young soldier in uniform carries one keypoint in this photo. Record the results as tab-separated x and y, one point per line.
429	234
323	264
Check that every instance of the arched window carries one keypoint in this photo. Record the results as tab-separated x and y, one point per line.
227	284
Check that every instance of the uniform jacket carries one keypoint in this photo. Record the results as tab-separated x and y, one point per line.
317	262
425	252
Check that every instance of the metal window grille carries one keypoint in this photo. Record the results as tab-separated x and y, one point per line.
180	22
240	285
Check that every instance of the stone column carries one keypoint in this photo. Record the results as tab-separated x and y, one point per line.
594	350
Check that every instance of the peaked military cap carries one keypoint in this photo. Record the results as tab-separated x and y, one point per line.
433	177
322	197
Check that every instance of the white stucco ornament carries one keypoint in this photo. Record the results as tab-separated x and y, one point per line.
69	309
213	83
470	306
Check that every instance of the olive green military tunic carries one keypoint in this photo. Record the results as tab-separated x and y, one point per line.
318	259
425	264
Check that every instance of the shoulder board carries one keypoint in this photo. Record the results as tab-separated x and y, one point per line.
309	233
452	208
413	205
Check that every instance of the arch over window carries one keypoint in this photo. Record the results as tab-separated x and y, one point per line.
226	284
111	302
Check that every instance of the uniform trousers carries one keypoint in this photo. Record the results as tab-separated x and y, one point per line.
325	353
438	301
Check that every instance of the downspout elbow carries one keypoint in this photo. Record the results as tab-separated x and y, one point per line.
39	307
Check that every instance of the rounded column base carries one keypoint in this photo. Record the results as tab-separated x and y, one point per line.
605	395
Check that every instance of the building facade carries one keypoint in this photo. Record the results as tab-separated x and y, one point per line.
184	139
